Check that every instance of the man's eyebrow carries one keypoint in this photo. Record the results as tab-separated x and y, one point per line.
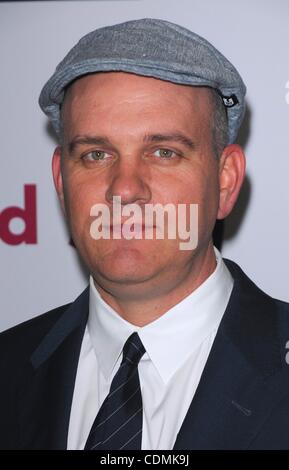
175	137
86	140
98	140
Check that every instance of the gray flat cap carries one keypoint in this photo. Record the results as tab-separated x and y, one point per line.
153	48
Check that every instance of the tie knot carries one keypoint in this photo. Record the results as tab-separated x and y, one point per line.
133	349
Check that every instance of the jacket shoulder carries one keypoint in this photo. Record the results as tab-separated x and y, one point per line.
265	313
22	339
247	284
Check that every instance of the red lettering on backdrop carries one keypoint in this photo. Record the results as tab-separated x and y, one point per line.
28	215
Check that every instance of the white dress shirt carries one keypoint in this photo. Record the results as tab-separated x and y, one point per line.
177	347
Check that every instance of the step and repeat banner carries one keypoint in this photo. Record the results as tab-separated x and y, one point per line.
39	267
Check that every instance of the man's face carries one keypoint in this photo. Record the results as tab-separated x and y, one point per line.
122	137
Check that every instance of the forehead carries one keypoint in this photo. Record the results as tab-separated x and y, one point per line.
130	96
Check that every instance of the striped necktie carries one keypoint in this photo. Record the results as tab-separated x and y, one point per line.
118	424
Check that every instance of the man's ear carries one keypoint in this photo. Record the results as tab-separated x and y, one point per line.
231	176
57	176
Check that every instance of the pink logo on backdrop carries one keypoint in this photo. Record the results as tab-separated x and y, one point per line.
28	216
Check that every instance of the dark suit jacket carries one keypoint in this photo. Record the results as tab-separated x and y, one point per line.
242	401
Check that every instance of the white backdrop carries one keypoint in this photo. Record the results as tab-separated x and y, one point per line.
34	37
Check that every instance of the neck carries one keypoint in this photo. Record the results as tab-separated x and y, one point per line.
144	309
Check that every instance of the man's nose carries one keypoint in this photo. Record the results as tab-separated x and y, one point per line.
130	181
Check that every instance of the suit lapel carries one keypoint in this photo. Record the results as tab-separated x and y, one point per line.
242	378
46	395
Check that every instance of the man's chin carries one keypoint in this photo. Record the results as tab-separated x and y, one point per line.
124	267
125	262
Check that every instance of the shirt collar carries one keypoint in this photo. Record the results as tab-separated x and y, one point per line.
170	339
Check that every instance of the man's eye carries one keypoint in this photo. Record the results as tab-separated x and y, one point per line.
164	153
94	155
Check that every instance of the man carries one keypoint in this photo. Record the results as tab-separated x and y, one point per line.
168	348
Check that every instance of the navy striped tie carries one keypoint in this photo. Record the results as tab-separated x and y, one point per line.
118	424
